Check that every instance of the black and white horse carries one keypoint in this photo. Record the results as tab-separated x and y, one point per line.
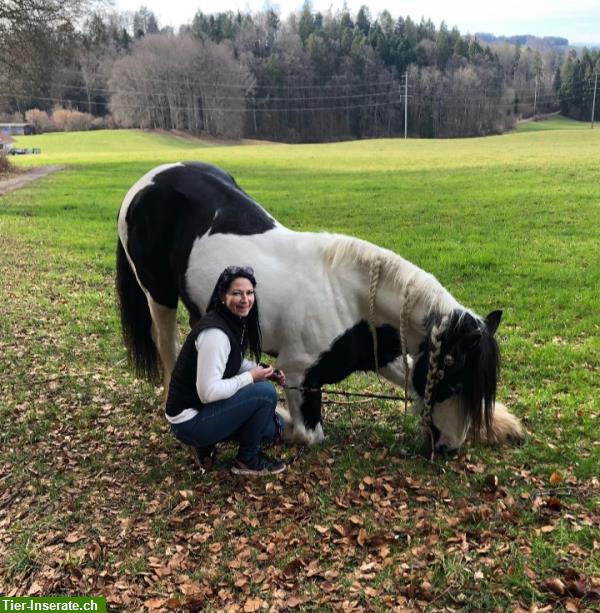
330	304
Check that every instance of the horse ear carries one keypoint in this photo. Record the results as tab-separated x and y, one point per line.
492	321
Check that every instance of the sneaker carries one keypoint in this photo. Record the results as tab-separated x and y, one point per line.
204	457
262	464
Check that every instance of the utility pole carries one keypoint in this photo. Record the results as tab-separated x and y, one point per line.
594	100
535	96
406	104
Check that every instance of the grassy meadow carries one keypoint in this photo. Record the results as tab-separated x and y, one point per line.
97	498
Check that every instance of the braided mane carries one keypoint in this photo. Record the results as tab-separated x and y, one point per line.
426	290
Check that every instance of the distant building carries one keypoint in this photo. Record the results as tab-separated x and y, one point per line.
16	129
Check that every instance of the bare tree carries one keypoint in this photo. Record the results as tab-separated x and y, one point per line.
179	83
35	36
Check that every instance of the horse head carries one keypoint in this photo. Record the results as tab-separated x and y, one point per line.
455	376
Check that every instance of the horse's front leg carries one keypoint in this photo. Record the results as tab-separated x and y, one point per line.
396	373
506	428
305	410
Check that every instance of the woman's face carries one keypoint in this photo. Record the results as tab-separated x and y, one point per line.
239	298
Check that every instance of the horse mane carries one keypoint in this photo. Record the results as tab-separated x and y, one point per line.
426	290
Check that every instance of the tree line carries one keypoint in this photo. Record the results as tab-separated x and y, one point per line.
310	77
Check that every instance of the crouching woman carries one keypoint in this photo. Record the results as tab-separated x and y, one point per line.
215	393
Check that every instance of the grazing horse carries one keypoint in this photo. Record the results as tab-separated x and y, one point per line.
330	304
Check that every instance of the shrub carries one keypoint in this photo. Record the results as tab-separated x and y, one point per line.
98	123
71	121
5	166
11	117
39	120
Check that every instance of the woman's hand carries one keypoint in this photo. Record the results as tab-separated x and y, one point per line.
278	377
264	372
261	373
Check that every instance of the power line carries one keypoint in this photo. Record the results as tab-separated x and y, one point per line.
171	81
518	96
441	102
109	91
171	108
446	104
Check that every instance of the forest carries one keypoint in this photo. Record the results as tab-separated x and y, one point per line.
311	77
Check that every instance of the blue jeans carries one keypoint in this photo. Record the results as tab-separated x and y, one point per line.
248	417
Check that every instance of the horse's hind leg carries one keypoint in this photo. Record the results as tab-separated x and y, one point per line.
164	335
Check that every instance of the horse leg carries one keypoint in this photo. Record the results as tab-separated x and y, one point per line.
164	335
300	405
396	373
288	423
506	428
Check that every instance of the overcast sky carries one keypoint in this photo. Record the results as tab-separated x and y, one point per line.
577	20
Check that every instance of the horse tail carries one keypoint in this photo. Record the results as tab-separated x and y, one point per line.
136	320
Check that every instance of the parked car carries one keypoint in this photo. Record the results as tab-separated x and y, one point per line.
21	151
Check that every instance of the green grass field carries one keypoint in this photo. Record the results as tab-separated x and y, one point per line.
97	498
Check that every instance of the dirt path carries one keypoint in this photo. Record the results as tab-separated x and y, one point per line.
18	181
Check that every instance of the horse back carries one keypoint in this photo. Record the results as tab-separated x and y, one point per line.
169	208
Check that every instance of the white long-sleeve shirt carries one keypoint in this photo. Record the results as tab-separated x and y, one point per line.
213	349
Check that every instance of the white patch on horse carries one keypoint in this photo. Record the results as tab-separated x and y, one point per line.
285	286
452	424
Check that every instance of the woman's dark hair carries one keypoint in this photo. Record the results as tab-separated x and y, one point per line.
252	339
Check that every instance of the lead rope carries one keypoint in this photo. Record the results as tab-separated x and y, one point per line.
374	273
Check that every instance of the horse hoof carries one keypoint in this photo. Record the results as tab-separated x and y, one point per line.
307	436
288	424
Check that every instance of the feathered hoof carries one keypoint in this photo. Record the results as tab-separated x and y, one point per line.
288	423
506	428
307	436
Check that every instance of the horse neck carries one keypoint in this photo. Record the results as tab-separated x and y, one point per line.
387	286
409	296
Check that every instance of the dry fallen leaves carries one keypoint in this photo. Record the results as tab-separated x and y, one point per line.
555	479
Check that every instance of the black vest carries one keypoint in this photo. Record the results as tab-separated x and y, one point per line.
182	389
